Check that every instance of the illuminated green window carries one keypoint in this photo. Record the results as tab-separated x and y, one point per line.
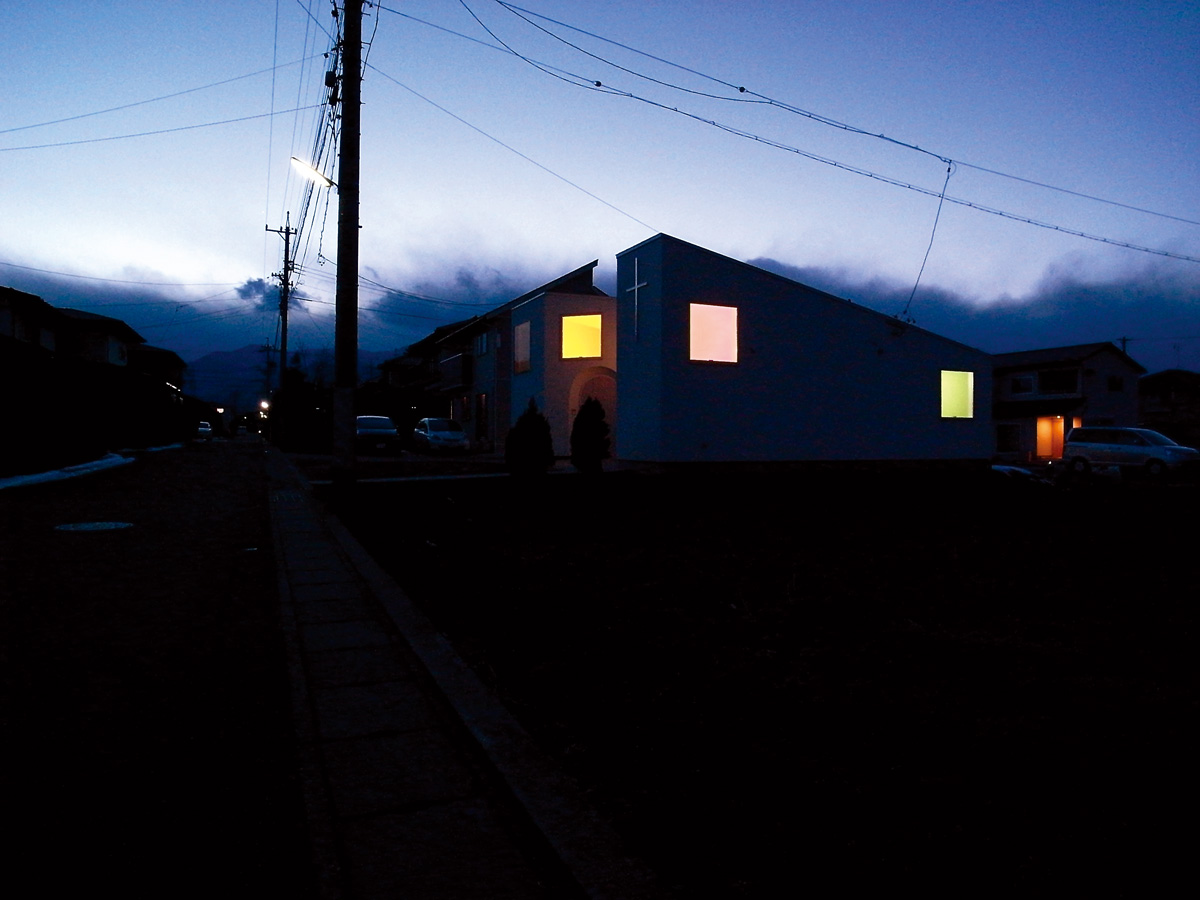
521	348
958	395
580	336
713	333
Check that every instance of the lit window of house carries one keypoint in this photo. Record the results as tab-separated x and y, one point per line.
580	336
958	395
713	333
521	345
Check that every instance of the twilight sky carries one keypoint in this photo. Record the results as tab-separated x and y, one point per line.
128	188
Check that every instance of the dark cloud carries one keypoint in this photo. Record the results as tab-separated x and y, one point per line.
265	294
1157	310
165	315
411	314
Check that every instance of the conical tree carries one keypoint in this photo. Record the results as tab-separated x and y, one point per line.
529	449
589	438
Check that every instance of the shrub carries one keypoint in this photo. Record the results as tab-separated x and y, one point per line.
589	438
529	449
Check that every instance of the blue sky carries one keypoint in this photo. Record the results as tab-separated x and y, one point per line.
487	171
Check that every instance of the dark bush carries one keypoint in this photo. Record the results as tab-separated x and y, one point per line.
589	438
529	449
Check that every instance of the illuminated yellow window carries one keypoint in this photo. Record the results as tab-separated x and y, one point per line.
581	336
714	333
958	395
521	348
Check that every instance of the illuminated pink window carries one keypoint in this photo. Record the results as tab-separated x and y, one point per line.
521	348
713	333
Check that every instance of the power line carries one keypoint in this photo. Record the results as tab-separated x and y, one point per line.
510	149
796	110
117	280
100	112
598	86
121	137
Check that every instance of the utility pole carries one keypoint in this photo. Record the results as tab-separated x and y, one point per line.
345	336
285	287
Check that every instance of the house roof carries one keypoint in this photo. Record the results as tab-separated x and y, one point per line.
578	281
20	297
1071	355
894	321
87	321
159	357
1170	379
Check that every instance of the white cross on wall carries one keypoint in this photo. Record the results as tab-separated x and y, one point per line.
636	285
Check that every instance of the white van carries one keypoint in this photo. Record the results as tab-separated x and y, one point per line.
1128	448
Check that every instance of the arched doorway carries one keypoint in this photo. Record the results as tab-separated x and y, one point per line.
599	382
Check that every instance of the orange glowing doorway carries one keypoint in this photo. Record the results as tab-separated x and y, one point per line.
1051	430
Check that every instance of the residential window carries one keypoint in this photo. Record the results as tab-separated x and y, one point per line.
1116	383
1021	384
481	344
581	336
713	333
521	354
1058	381
958	395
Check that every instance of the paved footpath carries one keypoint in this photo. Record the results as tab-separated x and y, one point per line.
222	692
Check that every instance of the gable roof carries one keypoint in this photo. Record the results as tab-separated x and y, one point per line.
895	322
1074	354
87	321
21	298
578	281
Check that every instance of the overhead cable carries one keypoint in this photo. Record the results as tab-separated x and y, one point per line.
122	137
100	112
816	117
510	149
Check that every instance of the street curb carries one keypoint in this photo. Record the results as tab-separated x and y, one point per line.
322	833
587	846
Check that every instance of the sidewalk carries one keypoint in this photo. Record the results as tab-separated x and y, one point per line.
381	768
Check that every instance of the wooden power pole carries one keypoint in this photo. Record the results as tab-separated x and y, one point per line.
345	337
285	287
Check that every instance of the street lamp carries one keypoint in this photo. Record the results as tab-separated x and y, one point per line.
311	173
345	337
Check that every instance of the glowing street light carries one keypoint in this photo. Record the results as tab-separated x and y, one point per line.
312	174
345	337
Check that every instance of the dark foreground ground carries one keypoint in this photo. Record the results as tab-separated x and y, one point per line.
148	746
836	682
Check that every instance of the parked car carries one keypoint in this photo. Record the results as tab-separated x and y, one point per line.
440	435
203	431
376	434
1130	449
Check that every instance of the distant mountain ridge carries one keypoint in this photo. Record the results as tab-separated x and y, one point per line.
239	379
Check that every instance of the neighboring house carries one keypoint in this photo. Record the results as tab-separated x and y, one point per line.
75	384
97	338
701	358
555	345
163	366
28	319
1169	402
1040	395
